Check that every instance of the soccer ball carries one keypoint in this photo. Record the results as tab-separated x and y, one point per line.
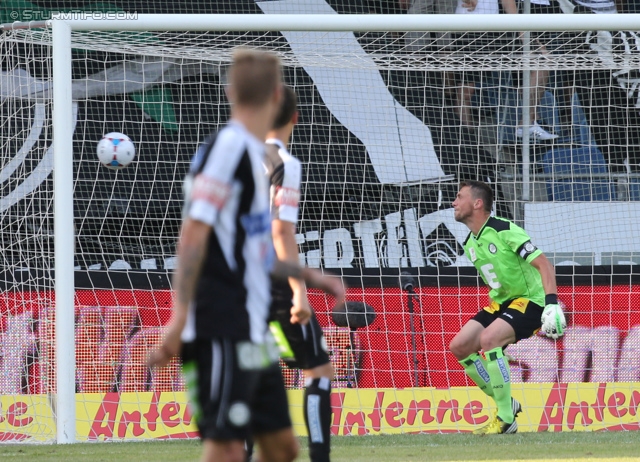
115	150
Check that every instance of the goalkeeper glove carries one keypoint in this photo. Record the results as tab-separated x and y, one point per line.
553	321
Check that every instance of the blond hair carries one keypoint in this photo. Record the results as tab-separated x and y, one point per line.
254	76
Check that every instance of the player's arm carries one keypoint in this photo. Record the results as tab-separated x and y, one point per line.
553	321
312	277
192	249
620	6
469	5
548	274
509	6
284	241
285	198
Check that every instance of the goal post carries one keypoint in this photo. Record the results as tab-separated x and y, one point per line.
64	241
376	191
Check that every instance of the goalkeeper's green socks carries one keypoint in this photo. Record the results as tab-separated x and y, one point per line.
498	369
476	368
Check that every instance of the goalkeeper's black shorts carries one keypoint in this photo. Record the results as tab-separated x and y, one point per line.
520	313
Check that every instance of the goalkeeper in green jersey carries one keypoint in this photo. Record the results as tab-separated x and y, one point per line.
523	300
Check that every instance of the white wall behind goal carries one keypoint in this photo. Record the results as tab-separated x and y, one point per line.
604	232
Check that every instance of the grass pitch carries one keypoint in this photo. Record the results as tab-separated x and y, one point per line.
565	447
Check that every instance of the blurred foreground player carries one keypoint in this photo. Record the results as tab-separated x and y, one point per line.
222	282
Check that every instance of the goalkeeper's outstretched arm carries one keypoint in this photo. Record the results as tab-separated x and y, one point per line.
553	321
547	272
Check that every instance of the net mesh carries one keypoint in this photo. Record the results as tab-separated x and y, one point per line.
463	51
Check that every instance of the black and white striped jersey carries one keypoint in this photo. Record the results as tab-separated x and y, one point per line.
227	189
285	176
598	6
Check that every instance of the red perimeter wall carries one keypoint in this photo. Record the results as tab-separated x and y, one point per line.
386	358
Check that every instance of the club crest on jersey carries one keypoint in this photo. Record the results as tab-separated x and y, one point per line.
257	223
493	248
287	196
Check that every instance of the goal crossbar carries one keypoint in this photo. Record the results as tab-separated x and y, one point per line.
356	23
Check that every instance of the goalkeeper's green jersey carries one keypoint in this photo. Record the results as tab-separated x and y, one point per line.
502	252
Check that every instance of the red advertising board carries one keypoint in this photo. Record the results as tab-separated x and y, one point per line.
387	352
116	328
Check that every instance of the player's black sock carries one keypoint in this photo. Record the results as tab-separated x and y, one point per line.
317	416
248	444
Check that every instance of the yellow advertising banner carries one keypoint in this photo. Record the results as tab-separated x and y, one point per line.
161	415
546	407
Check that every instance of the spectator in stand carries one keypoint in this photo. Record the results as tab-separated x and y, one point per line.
595	6
385	6
419	41
471	80
467	42
539	77
608	96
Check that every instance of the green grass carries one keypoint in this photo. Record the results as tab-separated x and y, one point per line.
565	447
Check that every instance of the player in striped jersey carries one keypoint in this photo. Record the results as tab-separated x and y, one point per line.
291	314
521	281
222	283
